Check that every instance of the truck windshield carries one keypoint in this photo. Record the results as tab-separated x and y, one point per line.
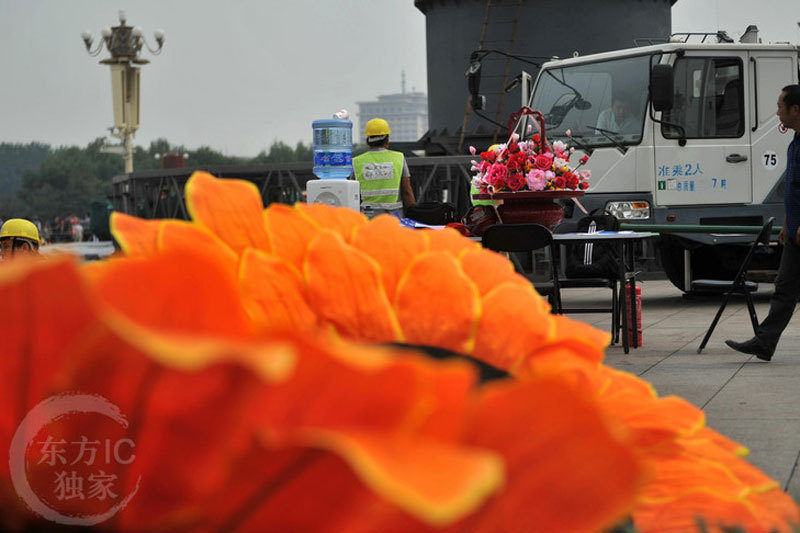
603	103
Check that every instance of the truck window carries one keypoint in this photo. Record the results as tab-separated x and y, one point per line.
709	98
602	103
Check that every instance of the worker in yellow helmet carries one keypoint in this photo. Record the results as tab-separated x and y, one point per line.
18	237
382	173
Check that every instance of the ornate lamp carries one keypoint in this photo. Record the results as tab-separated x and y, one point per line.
124	43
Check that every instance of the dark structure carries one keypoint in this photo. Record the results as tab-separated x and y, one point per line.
543	28
160	193
454	30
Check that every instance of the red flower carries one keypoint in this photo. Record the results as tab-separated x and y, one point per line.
583	185
497	175
516	181
584	159
543	162
559	182
513	148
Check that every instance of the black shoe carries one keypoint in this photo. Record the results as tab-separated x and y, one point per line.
752	347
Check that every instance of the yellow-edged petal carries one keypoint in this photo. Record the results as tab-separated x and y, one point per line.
437	305
392	245
274	293
231	209
342	220
136	236
436	481
289	232
514	323
345	289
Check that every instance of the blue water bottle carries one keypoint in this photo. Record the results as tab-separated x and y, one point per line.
333	148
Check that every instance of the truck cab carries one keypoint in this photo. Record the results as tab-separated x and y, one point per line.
711	155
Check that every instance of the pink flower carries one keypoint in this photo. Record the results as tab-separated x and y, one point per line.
472	150
535	180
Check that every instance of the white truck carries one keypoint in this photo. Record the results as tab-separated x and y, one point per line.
694	140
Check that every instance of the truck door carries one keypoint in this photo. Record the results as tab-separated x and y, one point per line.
713	167
770	71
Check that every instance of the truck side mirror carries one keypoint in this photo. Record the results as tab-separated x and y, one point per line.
473	74
662	87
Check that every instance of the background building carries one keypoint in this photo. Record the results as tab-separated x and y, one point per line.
540	28
406	112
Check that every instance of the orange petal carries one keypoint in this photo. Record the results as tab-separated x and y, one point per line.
342	220
161	292
181	235
289	232
434	481
488	270
514	323
576	337
724	442
136	236
392	245
449	240
46	312
231	209
274	293
683	514
437	305
566	470
344	288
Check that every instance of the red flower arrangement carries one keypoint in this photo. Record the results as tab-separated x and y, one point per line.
528	166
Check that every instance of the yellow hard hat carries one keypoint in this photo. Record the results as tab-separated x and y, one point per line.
377	127
19	227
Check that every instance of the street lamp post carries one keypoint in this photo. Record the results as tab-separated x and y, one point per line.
124	43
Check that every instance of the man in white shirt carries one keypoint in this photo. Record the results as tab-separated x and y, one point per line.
618	118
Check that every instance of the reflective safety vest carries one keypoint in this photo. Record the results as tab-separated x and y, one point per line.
474	190
379	173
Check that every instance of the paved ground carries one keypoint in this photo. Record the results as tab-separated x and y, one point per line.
754	402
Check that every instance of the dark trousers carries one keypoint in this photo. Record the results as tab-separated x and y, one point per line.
787	292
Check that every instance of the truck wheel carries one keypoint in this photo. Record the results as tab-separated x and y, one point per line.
671	252
708	262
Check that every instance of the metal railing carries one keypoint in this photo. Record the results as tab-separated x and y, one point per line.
160	193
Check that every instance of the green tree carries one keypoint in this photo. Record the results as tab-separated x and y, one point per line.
15	160
68	179
280	152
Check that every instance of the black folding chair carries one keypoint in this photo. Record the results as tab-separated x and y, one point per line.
739	284
516	238
592	280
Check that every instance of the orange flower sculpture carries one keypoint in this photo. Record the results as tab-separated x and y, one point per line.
312	266
228	340
240	428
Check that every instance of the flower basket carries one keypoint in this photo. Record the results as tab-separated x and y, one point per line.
528	175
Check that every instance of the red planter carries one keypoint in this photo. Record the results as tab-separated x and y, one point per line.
530	206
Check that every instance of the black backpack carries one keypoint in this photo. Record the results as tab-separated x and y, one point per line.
432	213
593	260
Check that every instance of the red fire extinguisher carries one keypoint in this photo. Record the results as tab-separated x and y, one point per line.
638	310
